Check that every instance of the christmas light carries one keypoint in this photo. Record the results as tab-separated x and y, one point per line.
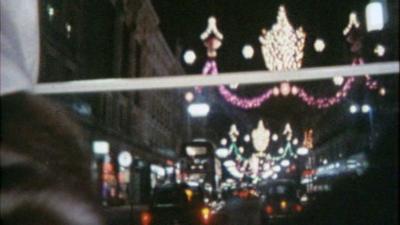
274	137
285	163
224	141
353	22
211	29
285	89
290	58
308	139
229	163
247	138
338	80
189	57
260	137
276	168
379	50
247	51
382	91
319	45
222	153
302	151
233	133
282	46
189	96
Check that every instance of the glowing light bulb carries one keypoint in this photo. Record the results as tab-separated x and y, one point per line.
189	96
382	91
379	50
319	45
353	109
247	138
224	141
247	51
365	108
189	57
274	137
338	80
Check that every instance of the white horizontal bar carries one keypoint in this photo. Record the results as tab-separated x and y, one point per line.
186	81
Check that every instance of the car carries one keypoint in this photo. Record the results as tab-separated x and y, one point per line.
280	202
177	204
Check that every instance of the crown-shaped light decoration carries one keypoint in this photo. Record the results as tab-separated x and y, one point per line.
282	47
212	37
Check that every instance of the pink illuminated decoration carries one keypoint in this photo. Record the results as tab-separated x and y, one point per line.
284	89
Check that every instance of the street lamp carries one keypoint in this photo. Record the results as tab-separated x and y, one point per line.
198	109
365	108
375	14
353	109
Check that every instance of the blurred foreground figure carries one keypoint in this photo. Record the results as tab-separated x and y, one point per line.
45	172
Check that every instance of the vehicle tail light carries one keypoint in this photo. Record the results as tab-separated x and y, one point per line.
269	210
205	214
297	208
145	218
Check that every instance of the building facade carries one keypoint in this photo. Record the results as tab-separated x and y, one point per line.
94	39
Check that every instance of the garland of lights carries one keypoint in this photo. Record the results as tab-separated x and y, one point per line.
282	48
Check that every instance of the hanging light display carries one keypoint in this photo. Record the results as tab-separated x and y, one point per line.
260	137
282	47
261	163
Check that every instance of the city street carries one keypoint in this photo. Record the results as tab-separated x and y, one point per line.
155	112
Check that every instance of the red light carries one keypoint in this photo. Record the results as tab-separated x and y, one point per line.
297	208
145	218
269	209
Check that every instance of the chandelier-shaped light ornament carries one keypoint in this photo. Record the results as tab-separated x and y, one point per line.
282	47
260	137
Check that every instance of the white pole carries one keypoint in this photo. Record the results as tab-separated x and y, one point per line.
186	81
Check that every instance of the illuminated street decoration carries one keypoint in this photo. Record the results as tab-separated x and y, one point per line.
379	50
319	45
353	23
260	137
308	139
284	39
233	133
261	161
282	47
